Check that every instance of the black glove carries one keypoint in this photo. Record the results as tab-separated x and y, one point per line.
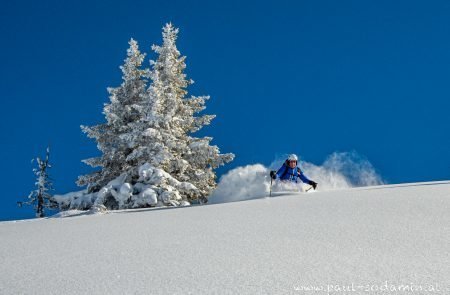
273	174
202	200
313	184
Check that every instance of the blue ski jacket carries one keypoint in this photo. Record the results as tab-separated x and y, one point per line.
292	174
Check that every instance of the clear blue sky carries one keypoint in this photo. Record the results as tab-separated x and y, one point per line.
310	77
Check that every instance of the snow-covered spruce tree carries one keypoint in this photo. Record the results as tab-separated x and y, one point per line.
186	158
149	156
40	197
116	138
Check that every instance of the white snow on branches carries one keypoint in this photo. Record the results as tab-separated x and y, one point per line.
149	155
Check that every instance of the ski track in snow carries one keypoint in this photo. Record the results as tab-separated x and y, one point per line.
395	234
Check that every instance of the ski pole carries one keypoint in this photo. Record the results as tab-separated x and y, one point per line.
311	188
270	194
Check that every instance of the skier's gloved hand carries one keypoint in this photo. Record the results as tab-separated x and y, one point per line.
202	200
273	174
313	184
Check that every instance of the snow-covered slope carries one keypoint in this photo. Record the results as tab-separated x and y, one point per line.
360	239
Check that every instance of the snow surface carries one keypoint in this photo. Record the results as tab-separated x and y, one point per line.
359	239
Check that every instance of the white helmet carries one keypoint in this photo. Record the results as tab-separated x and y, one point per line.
292	157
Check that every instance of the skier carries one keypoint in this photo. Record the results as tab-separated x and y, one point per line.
290	172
